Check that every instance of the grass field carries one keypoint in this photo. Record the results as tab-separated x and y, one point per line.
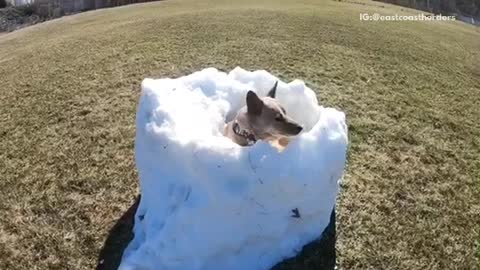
411	90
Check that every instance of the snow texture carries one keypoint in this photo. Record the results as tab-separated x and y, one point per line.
209	204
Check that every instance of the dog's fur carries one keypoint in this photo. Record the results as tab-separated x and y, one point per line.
262	119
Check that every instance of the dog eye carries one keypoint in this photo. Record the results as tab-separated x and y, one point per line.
279	117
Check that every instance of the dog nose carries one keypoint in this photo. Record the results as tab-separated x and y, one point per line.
299	129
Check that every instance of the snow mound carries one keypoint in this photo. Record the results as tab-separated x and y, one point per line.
209	204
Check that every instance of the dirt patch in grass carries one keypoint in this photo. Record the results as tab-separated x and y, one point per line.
70	87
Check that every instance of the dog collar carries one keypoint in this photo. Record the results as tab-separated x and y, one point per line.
248	136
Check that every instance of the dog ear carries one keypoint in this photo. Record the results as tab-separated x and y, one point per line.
273	91
254	103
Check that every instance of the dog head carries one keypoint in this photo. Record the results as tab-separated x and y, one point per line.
268	118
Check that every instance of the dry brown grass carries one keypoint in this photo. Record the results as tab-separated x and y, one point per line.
69	90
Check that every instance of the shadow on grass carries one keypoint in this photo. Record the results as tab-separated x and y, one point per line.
314	256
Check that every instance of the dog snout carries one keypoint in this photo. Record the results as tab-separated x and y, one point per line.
297	129
294	129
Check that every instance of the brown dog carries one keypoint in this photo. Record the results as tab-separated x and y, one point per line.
262	119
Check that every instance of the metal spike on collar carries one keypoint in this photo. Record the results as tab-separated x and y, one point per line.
249	137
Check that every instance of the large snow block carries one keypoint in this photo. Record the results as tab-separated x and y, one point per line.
209	204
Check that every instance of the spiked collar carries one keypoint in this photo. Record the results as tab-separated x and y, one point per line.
245	134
